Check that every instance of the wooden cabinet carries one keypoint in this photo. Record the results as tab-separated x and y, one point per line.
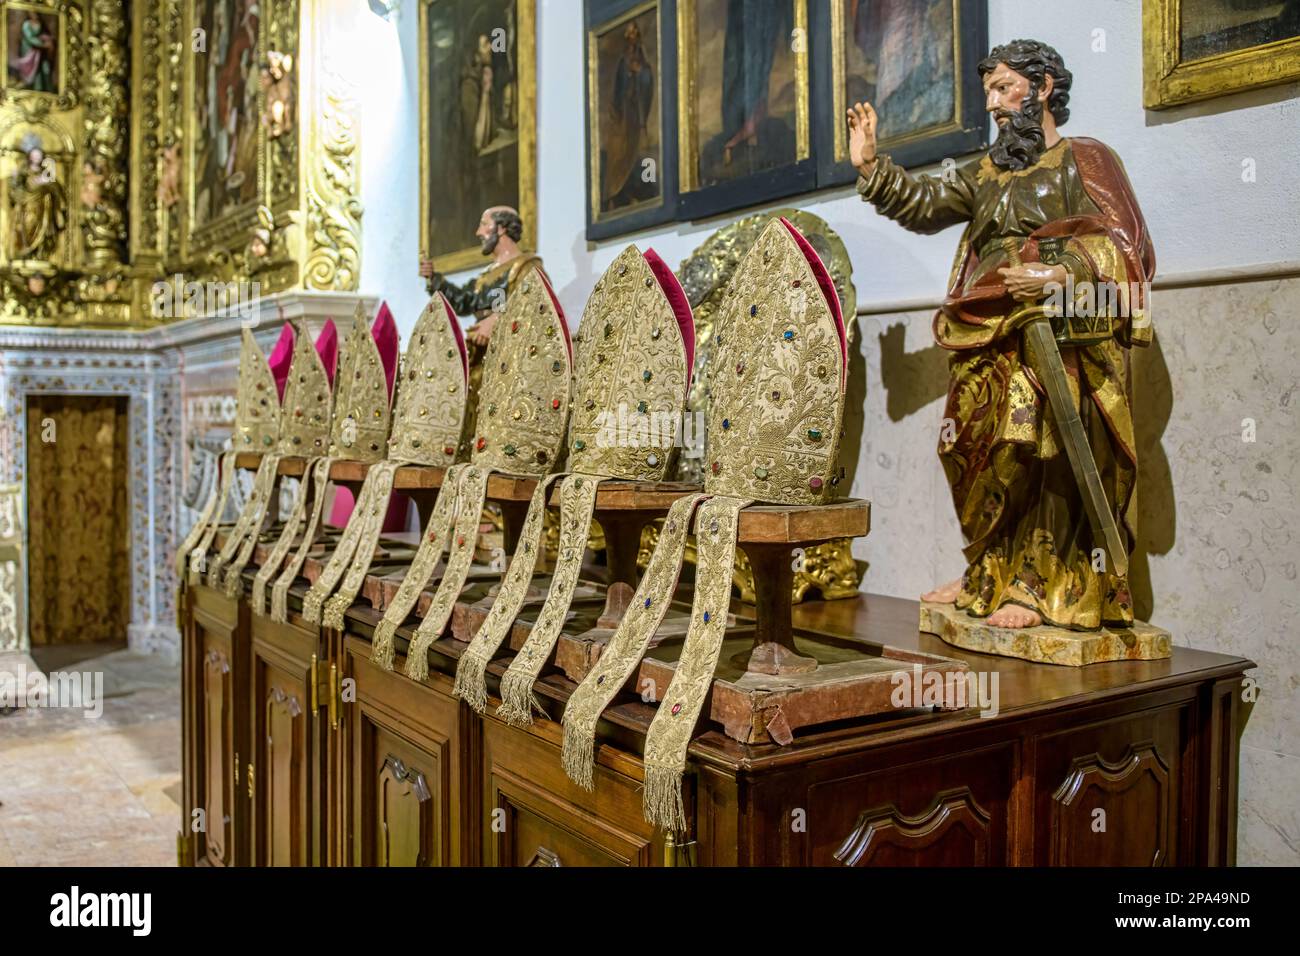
410	756
291	701
1131	763
534	815
215	680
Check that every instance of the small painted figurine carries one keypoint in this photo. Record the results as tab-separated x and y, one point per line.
1038	442
499	231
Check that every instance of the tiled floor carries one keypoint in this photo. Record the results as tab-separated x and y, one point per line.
94	791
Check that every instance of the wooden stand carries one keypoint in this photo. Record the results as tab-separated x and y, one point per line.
773	679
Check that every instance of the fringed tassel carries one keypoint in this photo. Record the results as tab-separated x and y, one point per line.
517	699
471	680
578	754
335	608
312	604
258	597
662	801
383	645
280	603
214	573
234	582
417	655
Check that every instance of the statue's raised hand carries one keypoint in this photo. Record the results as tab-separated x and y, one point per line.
862	138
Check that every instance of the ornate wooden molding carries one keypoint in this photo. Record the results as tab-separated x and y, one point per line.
333	227
1114	785
953	815
103	222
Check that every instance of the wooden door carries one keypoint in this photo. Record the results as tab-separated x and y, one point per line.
533	815
409	749
289	740
1113	792
899	808
214	683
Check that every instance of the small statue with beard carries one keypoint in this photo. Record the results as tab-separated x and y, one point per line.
500	231
1044	217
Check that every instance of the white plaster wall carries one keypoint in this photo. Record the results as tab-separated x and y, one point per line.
384	65
1216	512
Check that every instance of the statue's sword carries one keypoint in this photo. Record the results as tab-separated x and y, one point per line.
1045	360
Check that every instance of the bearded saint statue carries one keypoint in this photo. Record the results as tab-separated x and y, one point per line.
1041	213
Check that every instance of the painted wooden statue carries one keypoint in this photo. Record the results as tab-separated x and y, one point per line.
1048	293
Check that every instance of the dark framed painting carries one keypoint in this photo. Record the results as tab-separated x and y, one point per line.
914	61
1198	49
744	111
478	127
224	138
631	88
33	49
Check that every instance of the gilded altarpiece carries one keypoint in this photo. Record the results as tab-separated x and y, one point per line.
64	152
251	121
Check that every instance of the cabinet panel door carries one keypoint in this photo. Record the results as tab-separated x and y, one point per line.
535	816
214	683
949	811
218	754
406	810
283	739
291	737
406	757
285	789
533	828
1108	794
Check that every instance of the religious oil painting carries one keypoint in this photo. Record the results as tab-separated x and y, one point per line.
626	113
898	56
1212	27
914	61
478	136
747	112
1199	49
32	48
226	127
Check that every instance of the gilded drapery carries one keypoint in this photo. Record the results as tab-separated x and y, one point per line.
79	576
1028	539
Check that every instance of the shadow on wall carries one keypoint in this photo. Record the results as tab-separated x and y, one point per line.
1153	403
912	380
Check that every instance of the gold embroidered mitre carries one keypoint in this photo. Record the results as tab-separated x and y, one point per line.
635	349
308	398
432	390
257	410
523	404
362	409
778	379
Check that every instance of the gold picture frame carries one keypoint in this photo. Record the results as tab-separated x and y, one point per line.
59	12
1171	80
470	255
